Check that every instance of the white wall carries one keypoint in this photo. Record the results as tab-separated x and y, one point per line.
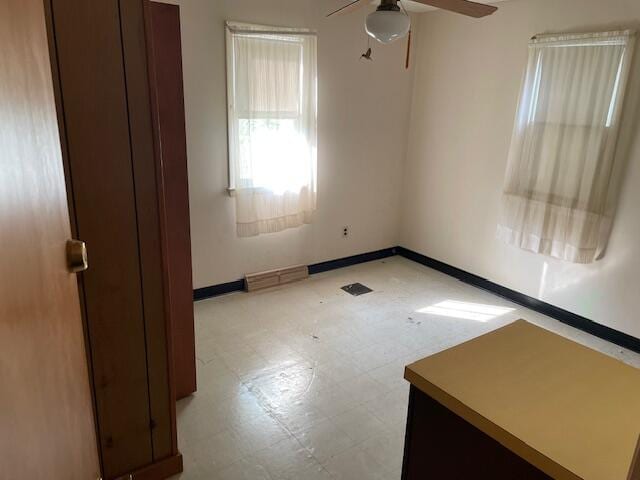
468	76
363	119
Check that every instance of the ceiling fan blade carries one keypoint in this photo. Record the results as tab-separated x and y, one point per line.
351	7
471	9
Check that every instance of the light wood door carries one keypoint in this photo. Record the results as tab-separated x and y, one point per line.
46	418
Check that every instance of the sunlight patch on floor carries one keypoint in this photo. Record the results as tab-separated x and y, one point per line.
466	310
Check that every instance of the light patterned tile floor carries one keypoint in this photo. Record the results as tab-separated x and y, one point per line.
305	381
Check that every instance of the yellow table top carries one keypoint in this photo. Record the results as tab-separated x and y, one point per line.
570	411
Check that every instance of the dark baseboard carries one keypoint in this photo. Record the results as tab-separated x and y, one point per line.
217	290
353	260
564	316
239	285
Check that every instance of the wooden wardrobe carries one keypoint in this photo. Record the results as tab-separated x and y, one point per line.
125	162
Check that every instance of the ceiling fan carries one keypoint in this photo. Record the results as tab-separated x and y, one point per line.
390	21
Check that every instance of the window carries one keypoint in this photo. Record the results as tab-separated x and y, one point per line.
272	121
563	151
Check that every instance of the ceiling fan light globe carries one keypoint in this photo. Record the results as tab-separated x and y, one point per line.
387	26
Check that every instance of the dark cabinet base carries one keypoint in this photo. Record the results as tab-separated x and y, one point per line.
162	469
440	445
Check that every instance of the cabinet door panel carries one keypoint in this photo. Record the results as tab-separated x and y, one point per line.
93	89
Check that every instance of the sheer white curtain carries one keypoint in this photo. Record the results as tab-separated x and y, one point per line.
272	92
557	194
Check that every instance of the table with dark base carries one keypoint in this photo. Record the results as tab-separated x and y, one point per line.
522	403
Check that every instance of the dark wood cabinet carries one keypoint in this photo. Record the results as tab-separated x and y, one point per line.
107	113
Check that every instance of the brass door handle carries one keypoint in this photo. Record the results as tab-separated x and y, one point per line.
77	256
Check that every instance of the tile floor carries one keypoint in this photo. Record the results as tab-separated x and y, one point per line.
306	381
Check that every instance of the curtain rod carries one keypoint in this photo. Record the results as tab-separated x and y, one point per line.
270	32
580	35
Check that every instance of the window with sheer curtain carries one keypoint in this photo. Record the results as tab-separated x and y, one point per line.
559	185
272	121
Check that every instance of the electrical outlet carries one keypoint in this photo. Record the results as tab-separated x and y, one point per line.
345	232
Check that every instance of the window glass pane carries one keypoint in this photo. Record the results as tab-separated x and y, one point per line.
272	110
273	155
572	99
